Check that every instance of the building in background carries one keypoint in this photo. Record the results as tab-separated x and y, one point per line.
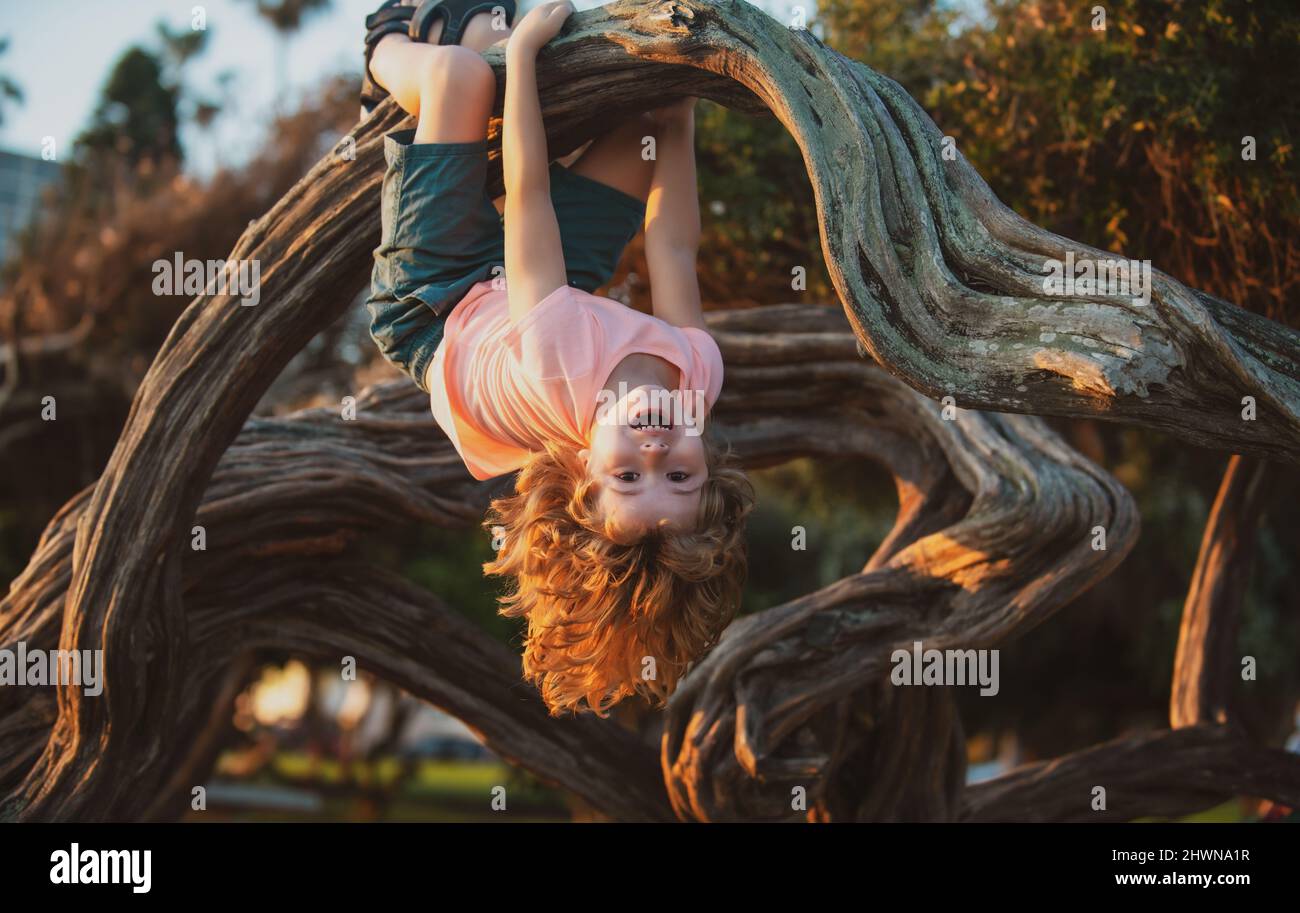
22	178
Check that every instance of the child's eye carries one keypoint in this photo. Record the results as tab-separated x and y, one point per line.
628	476
677	477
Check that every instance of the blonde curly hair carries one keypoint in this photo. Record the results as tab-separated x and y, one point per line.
608	618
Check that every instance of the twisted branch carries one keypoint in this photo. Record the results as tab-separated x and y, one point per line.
943	287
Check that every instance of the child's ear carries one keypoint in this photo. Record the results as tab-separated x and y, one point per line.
584	454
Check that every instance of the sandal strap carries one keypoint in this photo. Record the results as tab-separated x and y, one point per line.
389	19
371	95
388	28
428	12
391	11
455	15
392	18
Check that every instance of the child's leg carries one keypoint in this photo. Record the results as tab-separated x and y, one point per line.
456	90
401	65
439	232
617	160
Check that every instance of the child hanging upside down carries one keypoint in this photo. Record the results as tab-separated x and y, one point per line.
624	537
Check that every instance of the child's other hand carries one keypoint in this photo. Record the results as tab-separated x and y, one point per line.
542	23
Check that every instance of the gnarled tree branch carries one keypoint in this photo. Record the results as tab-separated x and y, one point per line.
943	287
1207	661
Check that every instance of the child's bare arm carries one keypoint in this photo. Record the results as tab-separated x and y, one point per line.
672	227
534	255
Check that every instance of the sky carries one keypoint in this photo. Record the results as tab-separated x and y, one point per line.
60	52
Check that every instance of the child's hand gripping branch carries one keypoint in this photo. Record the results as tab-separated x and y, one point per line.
624	538
672	222
534	254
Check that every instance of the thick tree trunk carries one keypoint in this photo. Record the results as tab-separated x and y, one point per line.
943	287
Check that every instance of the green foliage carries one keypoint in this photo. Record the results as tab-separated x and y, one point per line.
1131	137
450	563
133	138
909	41
758	215
1128	138
845	508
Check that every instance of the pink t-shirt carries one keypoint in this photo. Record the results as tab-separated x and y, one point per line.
500	390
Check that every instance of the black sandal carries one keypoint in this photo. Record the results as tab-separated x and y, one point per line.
416	22
392	18
455	15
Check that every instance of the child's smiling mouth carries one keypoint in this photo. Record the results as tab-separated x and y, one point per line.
650	419
649	413
652	425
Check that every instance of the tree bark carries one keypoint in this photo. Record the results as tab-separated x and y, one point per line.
1155	774
1208	660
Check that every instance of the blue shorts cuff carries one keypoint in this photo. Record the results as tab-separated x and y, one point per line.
592	187
425	345
401	145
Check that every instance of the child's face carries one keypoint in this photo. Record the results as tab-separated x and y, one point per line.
649	467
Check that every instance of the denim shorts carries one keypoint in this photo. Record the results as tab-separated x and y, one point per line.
441	235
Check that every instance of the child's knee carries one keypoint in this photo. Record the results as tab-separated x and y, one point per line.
452	71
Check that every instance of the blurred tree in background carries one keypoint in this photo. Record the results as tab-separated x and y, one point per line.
1137	138
10	91
135	127
286	18
77	303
